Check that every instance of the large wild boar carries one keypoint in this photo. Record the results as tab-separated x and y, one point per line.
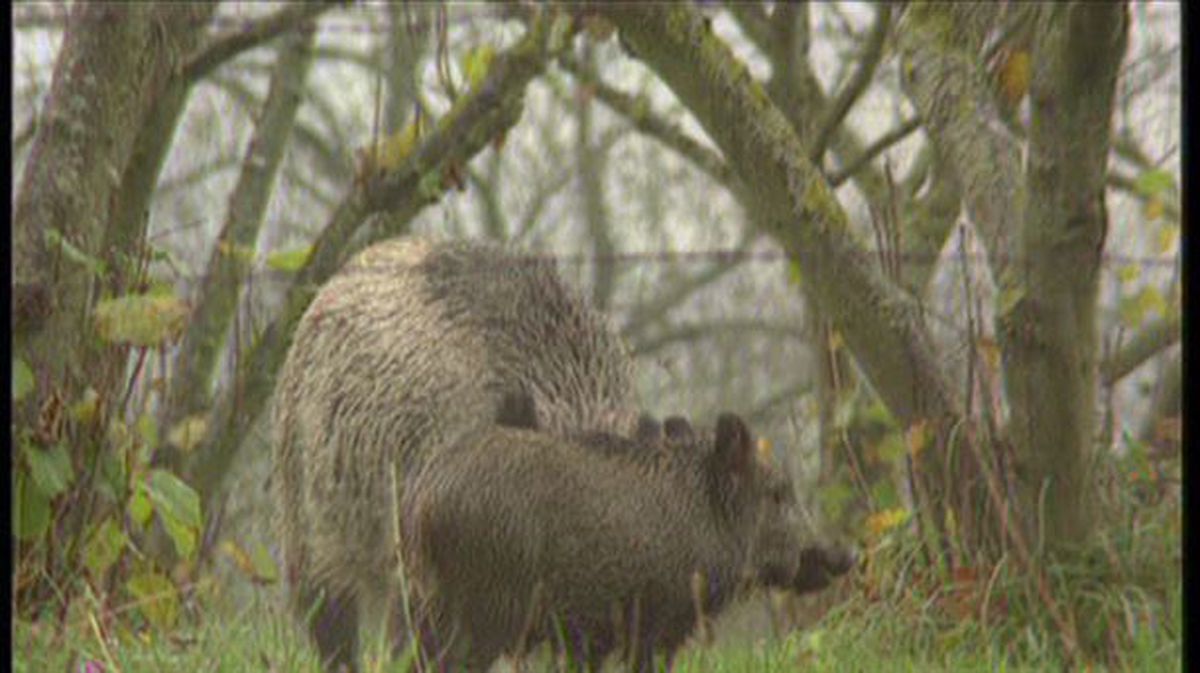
404	352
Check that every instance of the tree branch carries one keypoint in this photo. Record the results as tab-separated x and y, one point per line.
639	115
1050	335
224	275
836	178
693	331
944	80
222	48
836	111
791	201
1147	343
476	118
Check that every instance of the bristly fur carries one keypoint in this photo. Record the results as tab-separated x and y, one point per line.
406	351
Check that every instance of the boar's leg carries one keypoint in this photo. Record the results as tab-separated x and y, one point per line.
333	623
820	565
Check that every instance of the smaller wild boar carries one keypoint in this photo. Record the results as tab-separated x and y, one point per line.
599	543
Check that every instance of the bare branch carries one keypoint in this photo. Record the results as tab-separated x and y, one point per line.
222	48
638	113
873	150
710	329
225	273
944	80
790	200
1129	186
478	117
836	111
1150	341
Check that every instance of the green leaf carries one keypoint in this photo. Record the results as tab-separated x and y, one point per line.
1011	294
50	469
156	598
146	320
147	429
289	260
476	63
892	448
140	507
178	508
22	379
104	547
31	509
1153	183
430	186
795	277
1134	308
55	238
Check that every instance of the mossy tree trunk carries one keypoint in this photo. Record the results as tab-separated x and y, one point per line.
73	217
1049	342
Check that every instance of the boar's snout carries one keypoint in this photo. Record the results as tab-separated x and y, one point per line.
820	565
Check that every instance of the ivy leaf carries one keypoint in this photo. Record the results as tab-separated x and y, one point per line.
50	469
141	319
178	508
31	509
156	598
104	547
22	379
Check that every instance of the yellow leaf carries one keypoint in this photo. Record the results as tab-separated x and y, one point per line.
257	565
289	260
1015	74
1168	237
835	340
989	350
764	450
189	432
881	522
84	410
1129	273
916	438
1153	209
241	253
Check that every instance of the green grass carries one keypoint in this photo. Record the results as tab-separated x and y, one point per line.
1125	592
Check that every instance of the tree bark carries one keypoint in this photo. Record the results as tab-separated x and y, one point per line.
115	62
225	273
1051	364
793	203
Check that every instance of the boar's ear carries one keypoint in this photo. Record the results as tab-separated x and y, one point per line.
733	449
649	430
679	430
517	410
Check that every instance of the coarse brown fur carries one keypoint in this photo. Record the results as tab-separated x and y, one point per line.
599	544
406	351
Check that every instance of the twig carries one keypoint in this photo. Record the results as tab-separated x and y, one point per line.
1149	342
670	135
873	150
220	49
858	82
